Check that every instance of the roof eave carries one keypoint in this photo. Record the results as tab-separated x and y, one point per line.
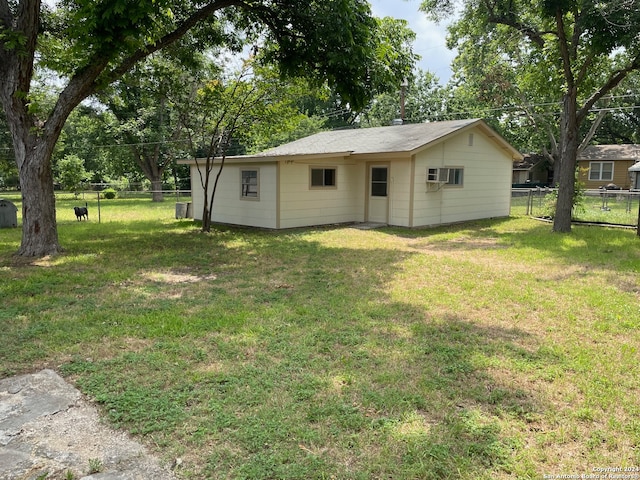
267	158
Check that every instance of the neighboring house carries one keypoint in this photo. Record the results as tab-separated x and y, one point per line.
532	171
601	165
405	175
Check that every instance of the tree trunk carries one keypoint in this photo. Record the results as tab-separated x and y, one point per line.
39	229
156	189
204	181
150	166
568	158
638	226
33	144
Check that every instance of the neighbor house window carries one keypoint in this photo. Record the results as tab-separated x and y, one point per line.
323	177
456	176
602	171
249	184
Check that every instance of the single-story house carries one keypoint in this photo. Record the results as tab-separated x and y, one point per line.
405	175
600	165
534	170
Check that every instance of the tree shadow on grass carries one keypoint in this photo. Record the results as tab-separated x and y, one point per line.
433	395
288	358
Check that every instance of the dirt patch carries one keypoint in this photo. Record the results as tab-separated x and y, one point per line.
174	278
461	243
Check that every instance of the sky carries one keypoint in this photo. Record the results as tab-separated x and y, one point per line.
430	42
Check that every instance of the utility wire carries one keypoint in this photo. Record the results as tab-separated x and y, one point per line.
342	111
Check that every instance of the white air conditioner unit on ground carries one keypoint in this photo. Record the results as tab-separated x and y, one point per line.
437	175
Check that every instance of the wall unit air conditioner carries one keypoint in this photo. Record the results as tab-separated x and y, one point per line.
437	175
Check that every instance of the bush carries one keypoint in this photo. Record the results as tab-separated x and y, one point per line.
109	193
71	173
579	195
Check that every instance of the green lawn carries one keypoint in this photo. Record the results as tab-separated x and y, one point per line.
493	349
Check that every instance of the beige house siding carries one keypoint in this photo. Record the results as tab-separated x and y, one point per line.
486	189
228	206
400	193
197	197
620	174
301	205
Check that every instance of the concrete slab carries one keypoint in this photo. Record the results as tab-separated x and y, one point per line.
368	225
48	428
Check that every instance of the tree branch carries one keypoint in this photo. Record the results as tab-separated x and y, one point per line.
594	126
27	22
614	79
88	81
564	51
582	74
6	21
170	38
577	32
17	55
536	36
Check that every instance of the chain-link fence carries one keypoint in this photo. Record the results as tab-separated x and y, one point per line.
617	207
176	203
168	195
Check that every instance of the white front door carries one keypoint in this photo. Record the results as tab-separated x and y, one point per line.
378	194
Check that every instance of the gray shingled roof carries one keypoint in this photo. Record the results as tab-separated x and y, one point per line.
611	152
399	138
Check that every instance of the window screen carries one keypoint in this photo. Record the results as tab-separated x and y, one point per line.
249	183
323	177
379	181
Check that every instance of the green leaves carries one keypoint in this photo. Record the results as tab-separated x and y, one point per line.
87	29
12	40
71	172
332	40
551	7
612	24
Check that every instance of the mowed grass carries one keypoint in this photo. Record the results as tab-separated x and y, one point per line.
493	349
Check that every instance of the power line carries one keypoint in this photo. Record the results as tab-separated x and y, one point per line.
341	111
139	144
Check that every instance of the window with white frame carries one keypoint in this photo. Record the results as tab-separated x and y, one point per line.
249	184
323	177
456	176
601	171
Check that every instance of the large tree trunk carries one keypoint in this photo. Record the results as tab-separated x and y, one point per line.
568	154
150	165
156	190
39	229
33	144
